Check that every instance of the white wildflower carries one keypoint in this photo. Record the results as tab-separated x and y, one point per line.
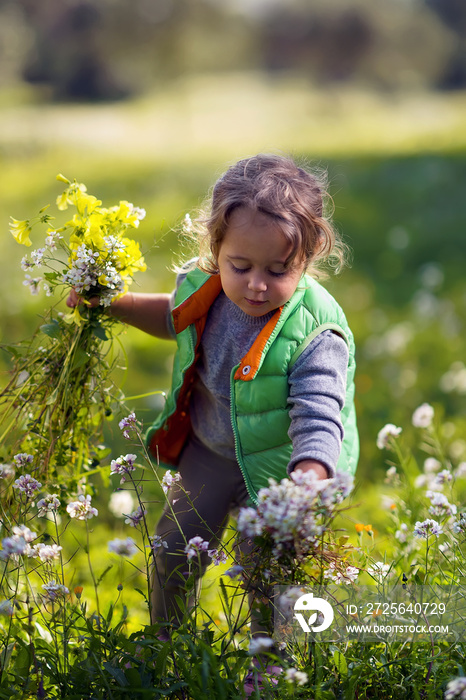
156	543
402	534
292	675
121	502
123	466
6	471
260	644
54	591
28	485
386	435
82	508
460	472
24	532
47	552
440	507
456	689
168	479
423	416
218	557
196	545
136	517
128	425
378	570
49	504
431	465
427	528
124	548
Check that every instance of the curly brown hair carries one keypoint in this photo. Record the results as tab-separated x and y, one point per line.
291	195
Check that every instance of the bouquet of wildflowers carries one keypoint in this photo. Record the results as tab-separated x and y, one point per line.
60	390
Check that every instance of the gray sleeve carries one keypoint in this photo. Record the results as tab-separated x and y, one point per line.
317	395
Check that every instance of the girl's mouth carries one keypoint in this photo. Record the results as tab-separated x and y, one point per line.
254	303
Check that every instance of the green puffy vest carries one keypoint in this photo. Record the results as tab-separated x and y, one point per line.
259	384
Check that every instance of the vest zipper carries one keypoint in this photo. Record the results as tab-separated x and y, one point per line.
235	435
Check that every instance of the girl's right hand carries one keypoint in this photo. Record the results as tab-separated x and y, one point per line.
74	299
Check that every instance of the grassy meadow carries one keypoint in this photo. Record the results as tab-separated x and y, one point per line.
396	166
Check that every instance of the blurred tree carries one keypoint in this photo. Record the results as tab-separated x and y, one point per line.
453	15
384	44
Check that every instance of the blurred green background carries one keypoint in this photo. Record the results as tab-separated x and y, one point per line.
151	100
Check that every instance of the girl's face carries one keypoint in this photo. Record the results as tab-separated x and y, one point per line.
251	263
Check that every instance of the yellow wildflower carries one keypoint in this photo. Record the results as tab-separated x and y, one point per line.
20	230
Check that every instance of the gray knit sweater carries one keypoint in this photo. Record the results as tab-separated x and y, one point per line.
317	386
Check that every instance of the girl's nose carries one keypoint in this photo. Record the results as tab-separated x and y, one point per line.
257	283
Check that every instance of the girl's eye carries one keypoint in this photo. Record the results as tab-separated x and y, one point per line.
277	274
239	270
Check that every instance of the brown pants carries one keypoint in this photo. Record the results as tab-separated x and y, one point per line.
216	488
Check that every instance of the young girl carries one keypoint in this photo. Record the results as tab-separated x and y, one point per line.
263	373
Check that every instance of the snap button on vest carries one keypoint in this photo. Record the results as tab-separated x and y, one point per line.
246	369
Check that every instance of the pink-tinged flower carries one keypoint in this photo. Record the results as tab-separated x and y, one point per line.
196	545
49	504
46	552
128	425
156	543
24	532
385	436
82	508
54	591
124	548
28	485
6	471
378	570
340	575
168	479
260	645
440	507
456	689
123	466
292	675
13	547
135	518
427	528
423	416
218	557
22	459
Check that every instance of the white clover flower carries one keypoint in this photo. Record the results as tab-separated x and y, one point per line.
82	508
168	479
249	522
49	504
54	590
195	546
427	528
260	645
218	557
456	689
28	485
386	434
460	472
292	675
423	416
47	552
123	466
121	503
378	570
52	239
124	548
